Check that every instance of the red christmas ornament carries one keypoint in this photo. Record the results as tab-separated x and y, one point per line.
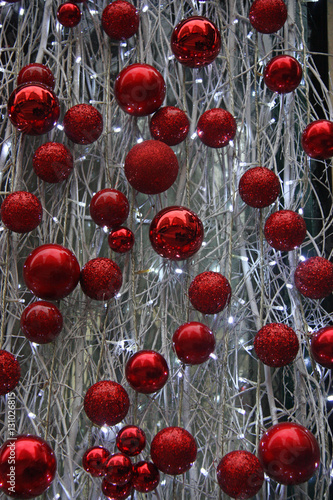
276	344
109	208
120	20
41	322
52	162
115	491
101	279
146	371
21	212
283	74
33	108
289	453
94	460
173	450
193	343
121	240
322	346
83	124
118	469
146	476
240	474
317	139
268	16
34	463
36	72
216	127
69	15
106	403
176	233
139	89
51	272
209	292
259	187
169	125
285	230
131	440
151	167
196	42
10	372
314	278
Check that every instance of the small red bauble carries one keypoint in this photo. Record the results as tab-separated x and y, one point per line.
146	371
240	474
106	403
36	72
289	453
146	476
176	233
69	15
121	240
317	139
151	167
115	491
109	208
196	42
120	20
10	372
101	279
314	277
268	16
216	127
139	89
52	162
83	124
209	292
35	466
173	450
285	230
283	74
118	469
41	322
259	187
276	344
33	108
193	343
131	440
94	460
169	125
51	272
322	346
21	212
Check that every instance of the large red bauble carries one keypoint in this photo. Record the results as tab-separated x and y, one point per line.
173	450
101	279
216	127
146	476
52	162
10	372
196	42
131	440
109	207
283	74
118	469
51	272
176	233
69	14
83	124
120	20
259	187
115	491
121	240
276	344
106	403
21	212
314	277
151	167
289	453
41	322
169	125
94	460
317	139
36	72
240	474
268	16
33	108
193	343
139	89
285	230
35	466
209	292
322	346
146	371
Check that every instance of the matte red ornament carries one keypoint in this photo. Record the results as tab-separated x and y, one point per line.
35	466
259	187
169	125
115	491
51	272
151	167
94	460
101	279
285	230
209	292
52	162
173	450
121	240
317	139
106	403
176	233
146	476
120	20
36	72
314	277
118	469
69	15
283	74
276	344
268	16
139	89
83	124
193	342
10	372
33	109
289	453
21	212
41	322
240	474
131	440
216	128
196	42
109	207
322	346
146	371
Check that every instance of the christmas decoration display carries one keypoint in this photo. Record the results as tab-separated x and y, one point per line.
314	277
52	162
35	72
276	344
147	371
121	240
131	440
193	343
216	128
83	124
209	292
268	16
106	403
120	20
283	74
115	491
317	139
69	14
146	476
10	372
173	450
259	187
169	125
109	207
94	460
322	346
118	469
285	230
101	279
41	322
21	212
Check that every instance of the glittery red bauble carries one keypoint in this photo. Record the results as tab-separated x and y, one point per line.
146	371
283	74
314	278
21	212
146	476
52	162
121	240
322	346
36	72
139	89
209	292
317	139
116	492
83	124
131	440
106	403
289	453
94	460
151	167
51	272
118	469
34	466
69	14
109	207
285	230
10	372
268	16
259	187
101	279
173	450
196	42
216	127
33	108
169	125
276	344
176	233
240	474
193	343
41	322
120	20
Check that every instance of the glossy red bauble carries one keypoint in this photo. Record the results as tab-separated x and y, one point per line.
146	371
10	372
173	450
69	15
193	343
314	277
196	42
289	453
21	212
317	139
118	469
115	491
106	403
41	322
120	20
101	279
109	207
283	74
276	344
52	162
169	125
285	230
131	440
209	292
268	16
94	460
36	72
259	187
216	128
146	476
121	240
322	346
83	124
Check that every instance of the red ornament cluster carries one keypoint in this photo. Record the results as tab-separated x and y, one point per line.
314	278
83	124
169	125
317	139
268	16
283	74
10	372
173	450
106	403
276	344
209	292
69	14
322	346
259	187
36	72
147	371
101	278
193	343
120	20
216	128
41	322
121	240
285	230
109	207
21	212
240	474
52	162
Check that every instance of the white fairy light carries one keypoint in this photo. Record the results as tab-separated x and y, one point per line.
145	8
193	136
213	356
60	127
302	258
178	271
230	320
78	59
289	285
106	229
31	415
203	471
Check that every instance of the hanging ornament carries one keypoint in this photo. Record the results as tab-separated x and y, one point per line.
193	343
169	125
285	230
101	279
21	212
83	124
106	403
283	74
196	42
146	476
120	20
69	15
276	344
131	440
268	16
109	207
10	372
317	140
116	492
36	73
118	469
289	453
94	460
173	450
121	240
41	322
314	277
322	346
52	162
146	371
209	292
259	187
216	128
